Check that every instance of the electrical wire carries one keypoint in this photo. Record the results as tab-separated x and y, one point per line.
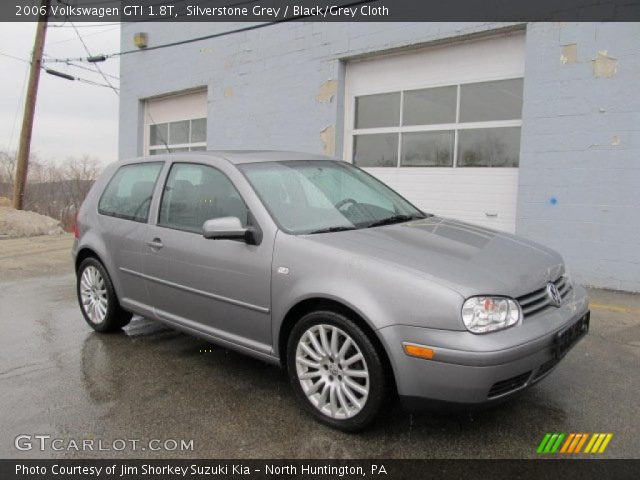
85	35
97	67
13	57
87	81
82	67
207	37
19	105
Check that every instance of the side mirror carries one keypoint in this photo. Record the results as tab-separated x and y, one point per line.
227	228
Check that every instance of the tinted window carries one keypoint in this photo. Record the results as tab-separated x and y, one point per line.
196	193
381	110
129	192
427	149
305	196
487	101
199	130
489	147
430	106
376	150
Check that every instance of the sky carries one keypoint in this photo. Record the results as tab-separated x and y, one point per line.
72	118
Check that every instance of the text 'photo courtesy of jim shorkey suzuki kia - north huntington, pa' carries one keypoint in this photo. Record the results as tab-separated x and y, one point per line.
294	259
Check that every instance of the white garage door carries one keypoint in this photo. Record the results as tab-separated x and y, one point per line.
176	123
442	126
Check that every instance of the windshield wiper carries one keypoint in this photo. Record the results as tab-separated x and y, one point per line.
394	219
332	229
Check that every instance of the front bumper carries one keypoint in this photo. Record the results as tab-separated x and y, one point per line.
477	369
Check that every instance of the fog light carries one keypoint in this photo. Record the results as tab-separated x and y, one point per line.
419	351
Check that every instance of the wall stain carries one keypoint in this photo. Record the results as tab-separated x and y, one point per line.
604	65
228	92
328	137
569	53
327	91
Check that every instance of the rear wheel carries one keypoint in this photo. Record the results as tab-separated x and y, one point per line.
97	298
335	370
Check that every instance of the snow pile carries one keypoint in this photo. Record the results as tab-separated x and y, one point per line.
20	223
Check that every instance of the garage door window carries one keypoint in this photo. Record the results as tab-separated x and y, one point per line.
181	136
466	125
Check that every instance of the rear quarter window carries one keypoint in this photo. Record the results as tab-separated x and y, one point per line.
129	192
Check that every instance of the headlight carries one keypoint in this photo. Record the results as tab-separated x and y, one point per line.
487	314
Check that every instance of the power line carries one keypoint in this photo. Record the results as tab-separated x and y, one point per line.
97	67
66	76
82	67
15	116
207	37
14	57
85	36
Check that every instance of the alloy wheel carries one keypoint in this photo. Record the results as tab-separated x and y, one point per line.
332	371
93	293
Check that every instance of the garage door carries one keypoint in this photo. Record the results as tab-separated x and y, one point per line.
442	126
176	123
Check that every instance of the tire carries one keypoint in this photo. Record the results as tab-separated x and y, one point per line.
329	389
97	298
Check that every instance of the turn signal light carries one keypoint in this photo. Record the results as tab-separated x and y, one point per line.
418	351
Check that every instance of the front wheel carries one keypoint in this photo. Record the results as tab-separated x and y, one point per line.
335	370
97	298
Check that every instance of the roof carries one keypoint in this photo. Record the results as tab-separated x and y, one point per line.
254	156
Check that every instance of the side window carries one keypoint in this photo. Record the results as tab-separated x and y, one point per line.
129	192
196	193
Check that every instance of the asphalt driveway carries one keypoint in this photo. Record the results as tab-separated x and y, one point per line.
59	378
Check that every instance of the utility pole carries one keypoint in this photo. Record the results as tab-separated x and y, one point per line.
24	147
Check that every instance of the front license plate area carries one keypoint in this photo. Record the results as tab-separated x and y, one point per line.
568	337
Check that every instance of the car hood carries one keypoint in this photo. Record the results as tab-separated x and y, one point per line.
471	260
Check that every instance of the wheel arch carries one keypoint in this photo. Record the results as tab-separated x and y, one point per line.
84	253
307	305
88	251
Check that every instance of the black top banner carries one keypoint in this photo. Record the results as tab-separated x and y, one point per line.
318	10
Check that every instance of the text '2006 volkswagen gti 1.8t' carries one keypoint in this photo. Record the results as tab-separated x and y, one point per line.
313	264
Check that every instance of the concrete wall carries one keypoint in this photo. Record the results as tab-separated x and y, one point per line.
280	87
579	182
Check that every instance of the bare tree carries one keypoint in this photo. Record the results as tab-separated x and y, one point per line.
7	167
79	174
53	189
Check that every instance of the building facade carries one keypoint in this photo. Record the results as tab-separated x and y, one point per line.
526	128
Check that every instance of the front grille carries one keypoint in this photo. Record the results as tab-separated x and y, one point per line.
510	384
545	367
538	300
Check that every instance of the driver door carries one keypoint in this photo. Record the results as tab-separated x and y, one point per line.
219	287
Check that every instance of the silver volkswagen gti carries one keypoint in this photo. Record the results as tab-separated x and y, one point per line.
311	263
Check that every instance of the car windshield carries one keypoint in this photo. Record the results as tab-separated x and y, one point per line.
317	196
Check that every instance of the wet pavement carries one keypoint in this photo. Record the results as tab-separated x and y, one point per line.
59	378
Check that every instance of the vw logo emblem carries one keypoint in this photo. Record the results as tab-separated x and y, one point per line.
554	295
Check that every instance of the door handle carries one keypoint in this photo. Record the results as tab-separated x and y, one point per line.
156	244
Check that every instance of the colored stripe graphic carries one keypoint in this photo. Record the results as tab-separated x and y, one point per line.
550	443
568	442
543	443
598	442
573	443
581	443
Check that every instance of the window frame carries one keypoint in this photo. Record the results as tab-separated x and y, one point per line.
251	219
400	129
161	149
153	191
